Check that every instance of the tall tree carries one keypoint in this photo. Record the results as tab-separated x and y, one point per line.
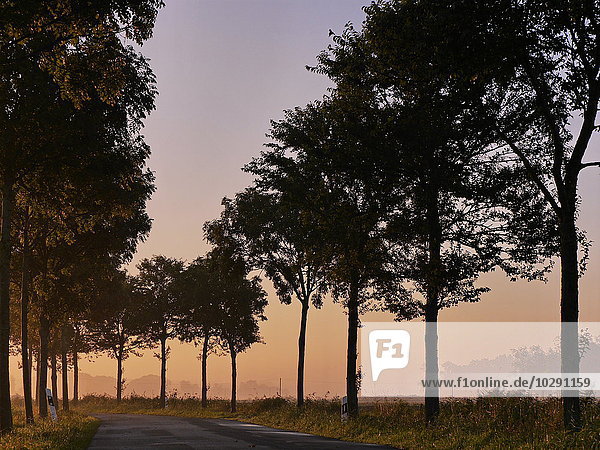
80	46
66	332
25	287
325	155
554	77
282	242
80	344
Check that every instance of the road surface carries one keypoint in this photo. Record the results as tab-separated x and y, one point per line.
133	431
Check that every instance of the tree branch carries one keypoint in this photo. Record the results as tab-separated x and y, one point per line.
543	99
531	171
590	164
587	127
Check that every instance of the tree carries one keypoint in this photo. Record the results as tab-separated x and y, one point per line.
280	241
81	343
25	292
446	219
199	319
70	38
66	332
161	307
323	157
544	72
114	326
80	46
555	75
241	300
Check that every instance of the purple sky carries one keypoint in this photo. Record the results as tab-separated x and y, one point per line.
225	68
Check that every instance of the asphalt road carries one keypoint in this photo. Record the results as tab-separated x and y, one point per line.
132	431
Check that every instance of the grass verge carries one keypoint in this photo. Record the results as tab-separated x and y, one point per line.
73	431
479	423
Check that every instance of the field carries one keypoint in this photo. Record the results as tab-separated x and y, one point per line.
481	423
73	431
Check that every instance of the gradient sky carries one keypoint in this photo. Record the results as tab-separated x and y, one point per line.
225	68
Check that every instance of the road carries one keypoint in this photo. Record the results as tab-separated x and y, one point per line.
132	431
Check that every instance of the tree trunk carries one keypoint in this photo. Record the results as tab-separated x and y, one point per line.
432	399
119	375
569	316
31	359
233	354
301	354
204	361
351	355
37	379
43	365
6	421
75	377
25	355
54	378
64	354
163	372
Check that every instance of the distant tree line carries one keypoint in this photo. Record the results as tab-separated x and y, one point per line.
212	302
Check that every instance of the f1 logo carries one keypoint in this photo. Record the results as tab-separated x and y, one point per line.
389	349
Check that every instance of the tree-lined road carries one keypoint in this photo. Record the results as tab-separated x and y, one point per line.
131	431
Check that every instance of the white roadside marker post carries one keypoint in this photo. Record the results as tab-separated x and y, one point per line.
51	405
344	410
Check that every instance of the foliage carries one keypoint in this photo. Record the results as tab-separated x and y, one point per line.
241	300
198	293
156	284
114	324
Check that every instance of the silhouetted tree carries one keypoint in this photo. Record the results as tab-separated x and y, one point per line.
241	300
324	154
114	325
282	242
199	319
80	47
553	57
161	307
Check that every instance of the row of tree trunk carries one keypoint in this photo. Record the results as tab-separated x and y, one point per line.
41	381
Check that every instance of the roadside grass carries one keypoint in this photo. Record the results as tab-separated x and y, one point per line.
72	431
477	423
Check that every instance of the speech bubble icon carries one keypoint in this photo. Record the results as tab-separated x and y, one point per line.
389	349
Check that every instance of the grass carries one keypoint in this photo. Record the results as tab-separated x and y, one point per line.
73	431
478	423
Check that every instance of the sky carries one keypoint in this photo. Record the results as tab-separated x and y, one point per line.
225	68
